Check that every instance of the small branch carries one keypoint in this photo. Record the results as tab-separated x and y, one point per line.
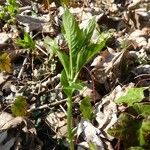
22	68
39	48
48	105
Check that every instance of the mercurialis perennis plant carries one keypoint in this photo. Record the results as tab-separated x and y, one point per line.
81	50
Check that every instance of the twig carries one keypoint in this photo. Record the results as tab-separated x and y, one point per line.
51	104
25	8
48	105
39	48
22	68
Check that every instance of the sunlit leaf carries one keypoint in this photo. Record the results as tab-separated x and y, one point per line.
64	2
5	62
19	107
64	82
86	108
63	57
85	55
88	31
27	42
76	86
72	33
92	146
132	96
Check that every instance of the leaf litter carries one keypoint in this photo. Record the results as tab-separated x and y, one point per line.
116	80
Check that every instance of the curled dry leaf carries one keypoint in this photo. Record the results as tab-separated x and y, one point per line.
87	91
135	4
18	132
106	112
4	37
58	123
3	78
34	23
139	36
92	136
109	61
5	62
142	69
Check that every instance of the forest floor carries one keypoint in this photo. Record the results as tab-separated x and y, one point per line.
33	106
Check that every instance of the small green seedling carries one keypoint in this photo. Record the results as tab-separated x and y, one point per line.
81	50
27	42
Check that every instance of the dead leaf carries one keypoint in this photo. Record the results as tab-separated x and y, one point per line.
5	62
87	91
109	61
4	37
92	136
135	4
3	78
58	123
22	133
31	23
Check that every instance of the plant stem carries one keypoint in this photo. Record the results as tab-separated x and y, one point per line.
69	123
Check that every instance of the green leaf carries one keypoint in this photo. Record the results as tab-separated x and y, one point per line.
133	128
126	129
144	133
132	96
64	2
88	31
85	55
75	86
142	109
86	108
92	146
27	42
19	107
65	84
64	79
72	33
136	148
63	57
69	88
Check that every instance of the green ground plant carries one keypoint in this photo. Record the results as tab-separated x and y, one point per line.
133	125
19	107
9	11
81	50
27	42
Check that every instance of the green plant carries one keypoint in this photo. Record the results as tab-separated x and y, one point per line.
19	107
9	11
86	108
27	42
133	125
81	50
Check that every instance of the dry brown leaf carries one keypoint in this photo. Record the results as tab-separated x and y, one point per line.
22	132
31	23
135	3
88	91
58	123
5	62
109	61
